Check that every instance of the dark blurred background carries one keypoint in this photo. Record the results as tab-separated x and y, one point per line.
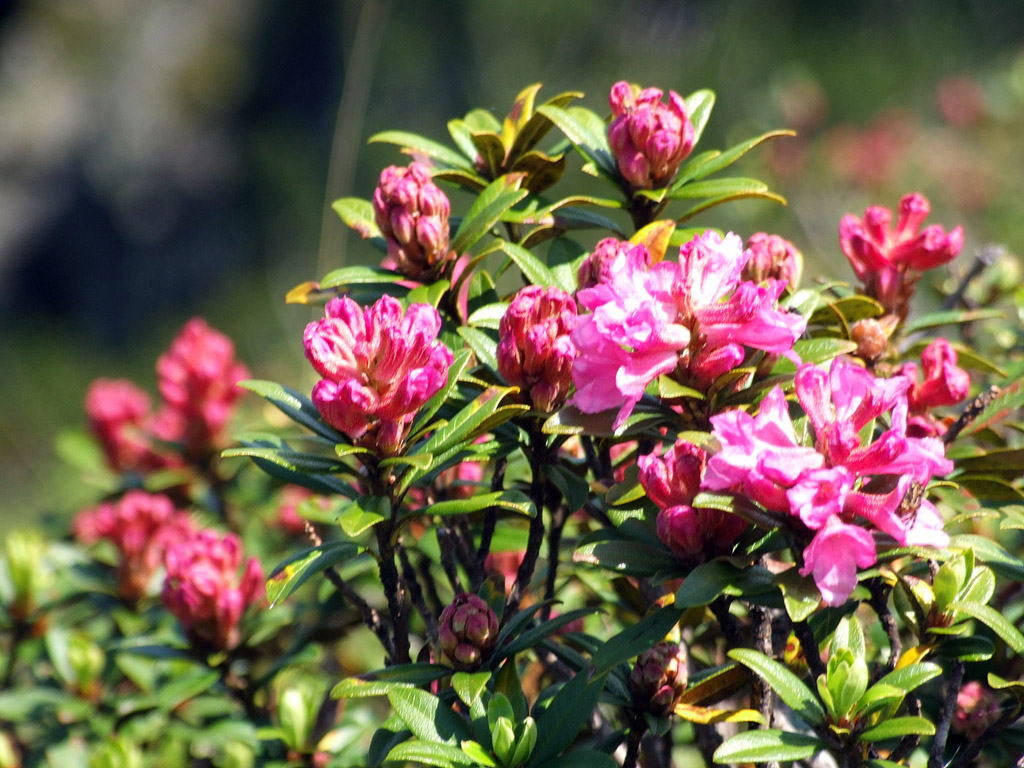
166	158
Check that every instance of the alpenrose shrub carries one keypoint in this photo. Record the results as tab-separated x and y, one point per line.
565	484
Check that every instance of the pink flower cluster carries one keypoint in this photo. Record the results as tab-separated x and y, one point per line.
197	380
648	138
535	352
672	482
691	319
142	527
412	214
379	366
889	261
204	590
843	487
944	384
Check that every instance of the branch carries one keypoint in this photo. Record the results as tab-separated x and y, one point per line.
956	677
412	585
880	604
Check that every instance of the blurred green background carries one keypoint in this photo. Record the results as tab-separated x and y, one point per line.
163	158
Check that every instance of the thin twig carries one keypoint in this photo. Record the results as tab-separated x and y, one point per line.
429	587
812	652
444	543
371	618
395	595
970	413
412	585
558	518
956	676
879	602
490	523
538	493
730	627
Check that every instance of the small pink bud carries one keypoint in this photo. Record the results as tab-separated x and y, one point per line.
674	479
535	352
597	266
467	631
977	708
659	678
649	138
412	214
772	257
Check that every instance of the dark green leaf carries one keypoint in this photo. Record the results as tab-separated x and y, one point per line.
788	686
533	269
952	317
991	554
295	406
514	501
533	636
975	648
483	344
581	758
359	275
300	567
766	745
849	310
537	125
637	638
899	727
568	712
460	362
718	188
574	489
430	753
487	210
746	194
727	158
587	132
609	550
1003	462
716	577
413	144
995	621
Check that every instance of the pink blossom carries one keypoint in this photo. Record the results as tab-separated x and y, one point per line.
889	260
819	494
834	556
141	526
944	382
412	214
630	338
977	708
535	352
119	414
204	590
197	378
648	138
379	367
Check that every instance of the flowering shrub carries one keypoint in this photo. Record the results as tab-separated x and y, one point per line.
647	501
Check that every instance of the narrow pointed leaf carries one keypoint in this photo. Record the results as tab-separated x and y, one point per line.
897	728
995	621
300	567
413	144
767	745
788	686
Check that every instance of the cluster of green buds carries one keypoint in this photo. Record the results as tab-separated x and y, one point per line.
512	740
24	573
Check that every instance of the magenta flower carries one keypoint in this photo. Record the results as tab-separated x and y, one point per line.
412	214
535	352
944	383
197	378
119	414
889	261
631	337
379	367
834	556
648	138
141	526
597	266
204	590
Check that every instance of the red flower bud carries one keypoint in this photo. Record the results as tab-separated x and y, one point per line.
659	678
467	630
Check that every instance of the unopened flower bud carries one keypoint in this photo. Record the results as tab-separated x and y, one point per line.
871	338
648	138
535	352
694	535
977	708
675	478
597	266
467	629
412	213
773	258
659	678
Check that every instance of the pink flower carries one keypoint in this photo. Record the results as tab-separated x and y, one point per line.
535	352
141	526
772	258
944	382
197	378
889	260
379	367
204	590
597	266
412	214
834	556
119	414
631	337
648	138
977	708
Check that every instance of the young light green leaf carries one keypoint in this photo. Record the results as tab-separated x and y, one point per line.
358	214
898	727
698	108
994	620
767	745
430	753
470	685
425	715
910	677
787	685
363	513
819	350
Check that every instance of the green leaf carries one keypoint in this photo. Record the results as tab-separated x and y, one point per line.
500	195
800	594
728	157
412	144
359	275
483	344
533	636
819	350
295	406
878	696
568	712
975	648
581	758
910	677
383	680
849	310
587	132
669	388
898	727
788	686
637	638
574	489
537	124
716	577
425	715
363	513
300	567
460	362
742	506
995	621
430	753
180	688
489	315
358	214
478	753
470	685
952	317
306	463
766	745
991	554
1003	462
747	193
533	269
607	549
570	420
514	501
717	188
698	108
